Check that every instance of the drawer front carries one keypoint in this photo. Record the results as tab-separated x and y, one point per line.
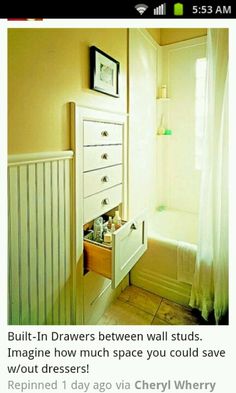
96	133
98	204
128	243
96	157
100	180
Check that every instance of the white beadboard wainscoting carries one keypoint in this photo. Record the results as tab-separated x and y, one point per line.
39	223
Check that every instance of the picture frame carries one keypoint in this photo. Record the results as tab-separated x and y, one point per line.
104	72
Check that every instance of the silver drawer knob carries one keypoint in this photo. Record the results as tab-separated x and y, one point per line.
105	202
134	226
105	179
104	133
104	156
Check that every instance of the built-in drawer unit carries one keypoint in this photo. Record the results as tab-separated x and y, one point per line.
101	179
128	244
100	144
100	203
99	133
96	157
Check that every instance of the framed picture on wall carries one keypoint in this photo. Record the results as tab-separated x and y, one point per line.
104	72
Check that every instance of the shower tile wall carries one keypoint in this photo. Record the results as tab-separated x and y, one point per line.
179	181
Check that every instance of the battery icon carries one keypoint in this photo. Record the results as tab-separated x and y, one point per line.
178	9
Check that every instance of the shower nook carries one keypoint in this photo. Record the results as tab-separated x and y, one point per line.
171	150
188	219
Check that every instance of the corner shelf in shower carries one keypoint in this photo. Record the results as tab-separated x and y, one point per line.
163	99
164	134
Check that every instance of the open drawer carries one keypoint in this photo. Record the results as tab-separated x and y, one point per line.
114	262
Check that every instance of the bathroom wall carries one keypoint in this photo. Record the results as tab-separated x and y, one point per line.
142	122
178	179
47	69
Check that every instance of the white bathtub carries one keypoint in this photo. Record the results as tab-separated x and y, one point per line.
174	225
156	271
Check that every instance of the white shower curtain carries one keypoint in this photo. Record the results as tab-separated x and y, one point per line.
210	285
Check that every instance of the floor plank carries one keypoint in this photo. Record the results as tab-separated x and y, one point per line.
175	314
121	313
142	299
158	321
135	306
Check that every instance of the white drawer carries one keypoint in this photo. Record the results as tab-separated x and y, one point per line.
98	204
101	179
128	244
96	157
96	133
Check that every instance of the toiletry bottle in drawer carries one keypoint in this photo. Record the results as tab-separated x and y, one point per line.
113	228
109	224
117	220
98	229
107	238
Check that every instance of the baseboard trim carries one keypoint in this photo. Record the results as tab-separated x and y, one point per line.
161	285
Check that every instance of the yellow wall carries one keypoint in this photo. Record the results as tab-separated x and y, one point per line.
169	36
47	69
156	34
50	67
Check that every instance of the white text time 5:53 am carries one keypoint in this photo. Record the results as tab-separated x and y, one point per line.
211	9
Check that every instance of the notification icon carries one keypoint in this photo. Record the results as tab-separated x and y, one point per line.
178	9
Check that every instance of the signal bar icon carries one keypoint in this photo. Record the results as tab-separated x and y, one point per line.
160	10
141	8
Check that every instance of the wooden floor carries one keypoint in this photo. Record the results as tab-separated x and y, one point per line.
135	306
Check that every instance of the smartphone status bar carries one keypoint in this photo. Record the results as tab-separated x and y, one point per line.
134	10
